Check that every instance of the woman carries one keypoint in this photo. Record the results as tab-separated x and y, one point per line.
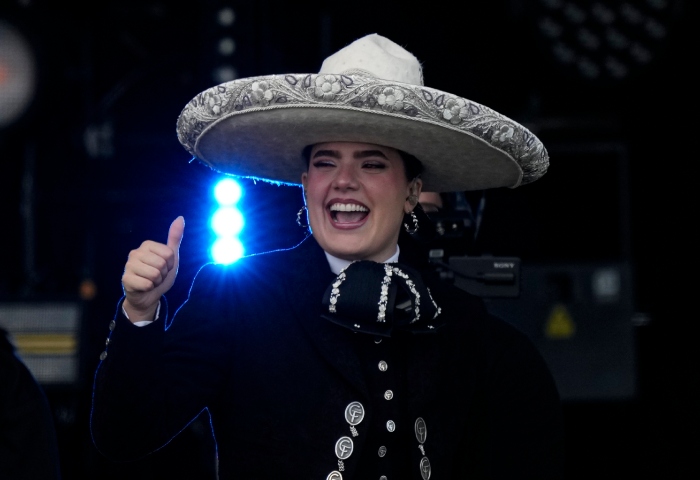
345	356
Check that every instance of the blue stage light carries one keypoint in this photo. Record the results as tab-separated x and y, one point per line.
227	250
227	222
227	192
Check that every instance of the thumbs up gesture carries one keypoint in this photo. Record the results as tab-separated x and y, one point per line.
150	272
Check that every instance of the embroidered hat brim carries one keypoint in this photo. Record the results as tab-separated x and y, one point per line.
258	127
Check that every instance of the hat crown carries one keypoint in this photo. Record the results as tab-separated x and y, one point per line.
375	56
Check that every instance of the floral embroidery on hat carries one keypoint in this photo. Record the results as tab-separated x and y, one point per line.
327	86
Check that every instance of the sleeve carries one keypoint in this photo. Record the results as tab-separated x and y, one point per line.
154	380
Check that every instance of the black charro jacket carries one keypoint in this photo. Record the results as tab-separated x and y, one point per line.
250	345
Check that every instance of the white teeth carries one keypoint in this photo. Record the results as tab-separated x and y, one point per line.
348	207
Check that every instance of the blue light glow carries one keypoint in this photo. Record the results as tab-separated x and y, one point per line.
227	250
227	192
227	222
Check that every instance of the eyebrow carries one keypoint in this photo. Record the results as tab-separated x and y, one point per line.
327	153
357	155
369	153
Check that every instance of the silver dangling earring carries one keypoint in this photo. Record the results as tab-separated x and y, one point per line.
414	219
299	215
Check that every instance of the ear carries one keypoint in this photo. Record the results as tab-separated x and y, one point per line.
417	187
304	178
414	189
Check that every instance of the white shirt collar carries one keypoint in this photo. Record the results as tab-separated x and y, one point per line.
337	264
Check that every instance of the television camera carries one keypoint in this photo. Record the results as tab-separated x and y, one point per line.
455	218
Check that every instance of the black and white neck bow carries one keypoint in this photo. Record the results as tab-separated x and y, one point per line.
377	298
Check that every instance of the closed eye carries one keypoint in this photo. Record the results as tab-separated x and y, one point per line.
323	163
374	165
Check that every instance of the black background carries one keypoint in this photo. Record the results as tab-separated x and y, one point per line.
133	65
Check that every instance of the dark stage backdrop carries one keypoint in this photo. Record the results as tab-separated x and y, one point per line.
93	168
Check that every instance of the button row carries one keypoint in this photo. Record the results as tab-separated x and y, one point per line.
390	425
112	324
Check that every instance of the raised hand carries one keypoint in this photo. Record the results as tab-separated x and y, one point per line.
150	272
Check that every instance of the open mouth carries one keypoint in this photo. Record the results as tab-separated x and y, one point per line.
348	212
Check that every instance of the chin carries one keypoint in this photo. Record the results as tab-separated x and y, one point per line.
347	253
352	245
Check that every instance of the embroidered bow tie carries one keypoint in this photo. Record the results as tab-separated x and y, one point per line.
376	298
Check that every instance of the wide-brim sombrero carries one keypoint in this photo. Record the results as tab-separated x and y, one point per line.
371	92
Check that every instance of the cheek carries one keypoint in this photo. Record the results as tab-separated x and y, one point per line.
315	210
397	196
314	185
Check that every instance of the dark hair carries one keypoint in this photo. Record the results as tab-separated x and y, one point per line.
411	165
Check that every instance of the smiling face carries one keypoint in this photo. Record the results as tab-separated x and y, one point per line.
356	195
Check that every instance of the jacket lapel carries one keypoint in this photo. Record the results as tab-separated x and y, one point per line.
424	351
305	297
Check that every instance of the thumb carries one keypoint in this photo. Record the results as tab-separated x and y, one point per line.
176	232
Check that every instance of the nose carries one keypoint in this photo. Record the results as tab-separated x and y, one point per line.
345	178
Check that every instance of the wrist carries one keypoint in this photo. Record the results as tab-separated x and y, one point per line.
139	314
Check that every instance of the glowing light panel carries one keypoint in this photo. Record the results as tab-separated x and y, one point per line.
227	192
227	250
227	222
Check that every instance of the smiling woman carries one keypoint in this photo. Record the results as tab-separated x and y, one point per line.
334	359
357	195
